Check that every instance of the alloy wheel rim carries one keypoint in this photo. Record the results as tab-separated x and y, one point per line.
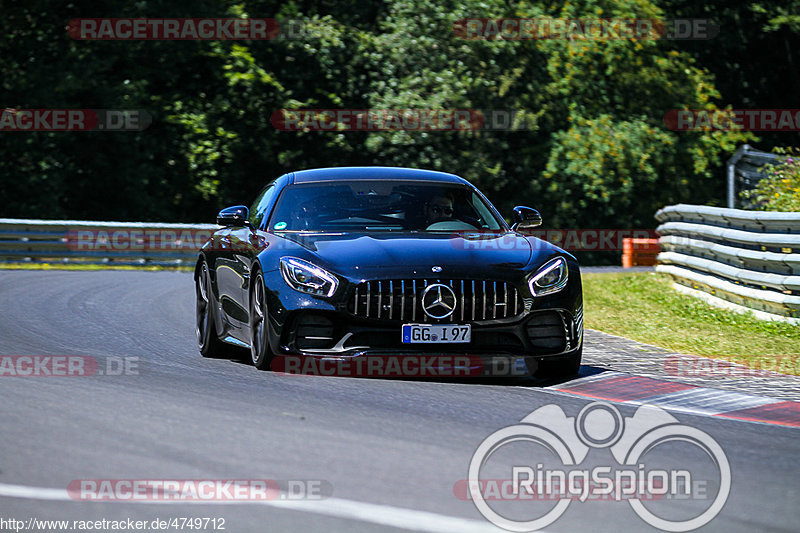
202	303
258	319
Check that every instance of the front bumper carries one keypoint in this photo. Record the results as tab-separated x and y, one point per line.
337	330
541	333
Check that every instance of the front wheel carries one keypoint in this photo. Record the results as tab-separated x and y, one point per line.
207	339
260	352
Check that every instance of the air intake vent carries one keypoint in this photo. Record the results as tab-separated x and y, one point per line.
313	331
547	332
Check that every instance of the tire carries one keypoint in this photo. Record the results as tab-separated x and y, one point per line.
260	352
207	339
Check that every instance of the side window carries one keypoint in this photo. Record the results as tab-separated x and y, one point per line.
261	205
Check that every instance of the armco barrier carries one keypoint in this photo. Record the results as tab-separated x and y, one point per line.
120	243
747	258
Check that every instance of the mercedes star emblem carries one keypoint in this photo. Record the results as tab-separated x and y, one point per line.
438	301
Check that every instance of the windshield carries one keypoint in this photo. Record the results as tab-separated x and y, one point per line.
367	206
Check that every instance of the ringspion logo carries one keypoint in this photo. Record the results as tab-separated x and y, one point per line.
540	460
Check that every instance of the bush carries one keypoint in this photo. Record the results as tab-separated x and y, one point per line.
780	189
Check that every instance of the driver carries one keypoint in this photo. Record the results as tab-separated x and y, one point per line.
303	216
438	208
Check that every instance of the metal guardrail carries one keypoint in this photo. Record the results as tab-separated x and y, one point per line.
745	171
89	242
748	258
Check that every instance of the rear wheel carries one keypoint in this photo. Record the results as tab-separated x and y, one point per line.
260	352
207	339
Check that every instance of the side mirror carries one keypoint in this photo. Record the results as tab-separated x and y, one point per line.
235	216
526	218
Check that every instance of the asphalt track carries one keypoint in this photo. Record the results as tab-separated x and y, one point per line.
390	451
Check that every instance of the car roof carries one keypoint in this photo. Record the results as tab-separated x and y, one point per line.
373	173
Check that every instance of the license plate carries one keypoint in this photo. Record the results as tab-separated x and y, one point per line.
436	333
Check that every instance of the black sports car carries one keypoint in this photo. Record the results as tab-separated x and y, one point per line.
347	263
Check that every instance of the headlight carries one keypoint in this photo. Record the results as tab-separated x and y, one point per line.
552	277
305	277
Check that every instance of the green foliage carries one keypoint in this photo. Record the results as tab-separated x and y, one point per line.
780	189
754	59
780	15
612	150
595	152
607	166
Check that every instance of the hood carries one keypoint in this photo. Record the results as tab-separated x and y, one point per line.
364	256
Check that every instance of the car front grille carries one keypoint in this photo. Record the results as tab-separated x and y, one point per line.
401	299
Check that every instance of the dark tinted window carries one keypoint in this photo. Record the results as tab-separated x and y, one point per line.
261	205
381	206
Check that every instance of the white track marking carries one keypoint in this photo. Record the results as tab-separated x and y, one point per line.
384	515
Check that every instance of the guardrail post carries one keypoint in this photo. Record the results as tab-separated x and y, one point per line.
732	174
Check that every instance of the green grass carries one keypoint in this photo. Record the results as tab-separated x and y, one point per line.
79	266
643	306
